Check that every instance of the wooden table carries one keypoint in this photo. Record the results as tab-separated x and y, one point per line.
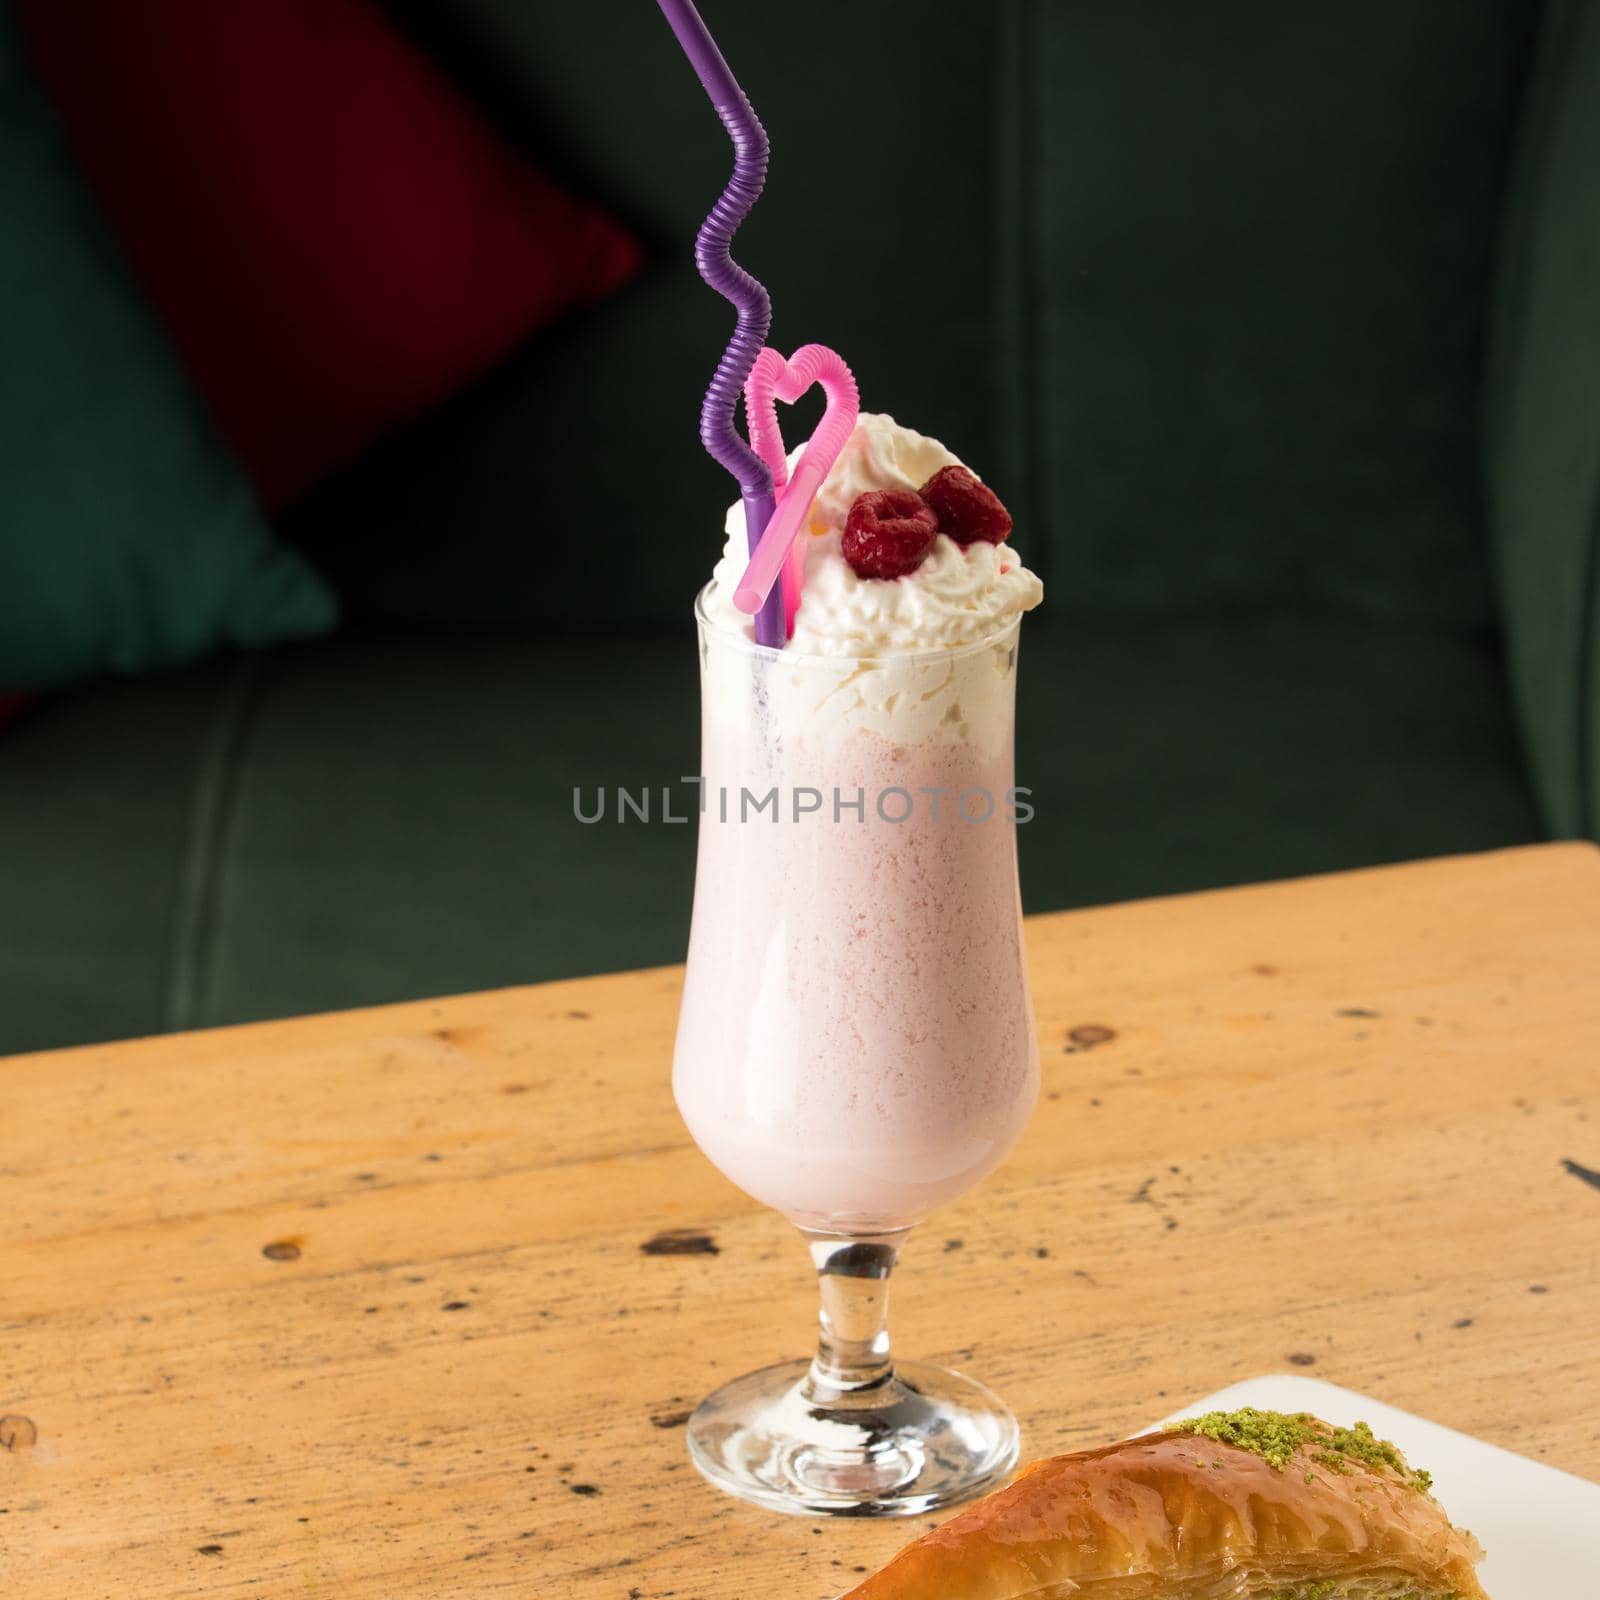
413	1301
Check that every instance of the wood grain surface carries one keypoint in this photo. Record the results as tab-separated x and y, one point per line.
413	1301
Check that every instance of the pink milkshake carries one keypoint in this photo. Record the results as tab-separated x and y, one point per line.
856	1044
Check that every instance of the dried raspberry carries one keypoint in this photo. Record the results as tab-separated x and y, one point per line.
967	510
888	532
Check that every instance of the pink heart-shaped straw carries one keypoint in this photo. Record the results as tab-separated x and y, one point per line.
772	379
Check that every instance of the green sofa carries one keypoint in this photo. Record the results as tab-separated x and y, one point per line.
1260	317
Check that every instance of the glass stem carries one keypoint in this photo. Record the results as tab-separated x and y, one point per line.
853	1344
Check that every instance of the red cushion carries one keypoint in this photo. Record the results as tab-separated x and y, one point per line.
336	238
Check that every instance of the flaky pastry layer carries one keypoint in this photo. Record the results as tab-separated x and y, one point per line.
1175	1516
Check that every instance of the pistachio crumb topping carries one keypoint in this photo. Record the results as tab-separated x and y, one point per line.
1277	1435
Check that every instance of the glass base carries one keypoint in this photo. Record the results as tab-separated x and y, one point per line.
922	1439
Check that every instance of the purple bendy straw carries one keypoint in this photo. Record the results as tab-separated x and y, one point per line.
713	254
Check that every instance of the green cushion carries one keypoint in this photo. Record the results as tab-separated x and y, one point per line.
1544	424
1179	755
109	798
129	538
371	819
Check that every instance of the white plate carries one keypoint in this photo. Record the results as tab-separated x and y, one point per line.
1539	1527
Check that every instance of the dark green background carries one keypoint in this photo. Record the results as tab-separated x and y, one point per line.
1204	288
1208	293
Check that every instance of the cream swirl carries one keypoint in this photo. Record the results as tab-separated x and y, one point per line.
956	597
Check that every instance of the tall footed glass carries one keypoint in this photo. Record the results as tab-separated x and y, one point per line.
856	1043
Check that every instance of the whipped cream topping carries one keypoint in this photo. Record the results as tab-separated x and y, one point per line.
956	597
